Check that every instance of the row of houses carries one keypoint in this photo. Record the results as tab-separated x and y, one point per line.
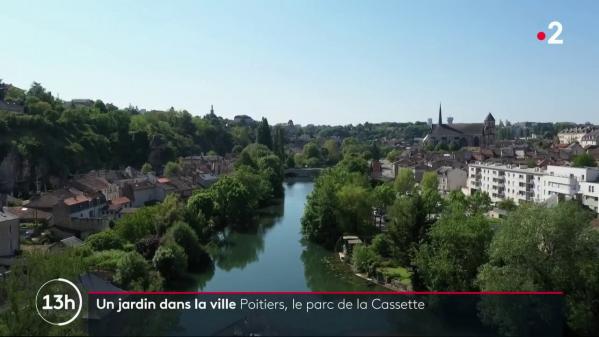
89	202
587	135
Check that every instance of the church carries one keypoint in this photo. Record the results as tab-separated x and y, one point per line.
463	134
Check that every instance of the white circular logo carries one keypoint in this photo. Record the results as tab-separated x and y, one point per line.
58	302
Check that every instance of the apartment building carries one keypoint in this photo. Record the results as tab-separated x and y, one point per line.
521	183
572	183
499	181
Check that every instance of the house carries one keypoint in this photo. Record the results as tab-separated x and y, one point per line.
451	179
9	234
575	134
30	215
117	205
590	139
92	183
376	169
145	192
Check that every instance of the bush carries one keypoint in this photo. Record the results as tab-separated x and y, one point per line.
133	273
105	260
104	241
170	260
147	246
183	235
365	259
382	245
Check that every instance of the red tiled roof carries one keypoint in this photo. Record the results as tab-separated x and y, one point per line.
78	199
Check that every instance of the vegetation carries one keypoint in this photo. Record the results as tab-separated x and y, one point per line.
584	160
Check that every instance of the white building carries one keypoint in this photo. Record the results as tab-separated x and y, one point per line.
9	234
501	182
520	183
590	139
573	135
572	183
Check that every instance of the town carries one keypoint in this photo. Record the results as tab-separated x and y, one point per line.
142	200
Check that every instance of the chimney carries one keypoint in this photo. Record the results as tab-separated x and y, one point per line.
449	120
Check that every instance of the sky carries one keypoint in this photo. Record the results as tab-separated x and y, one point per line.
318	62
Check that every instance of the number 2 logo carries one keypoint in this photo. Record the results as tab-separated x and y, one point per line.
554	39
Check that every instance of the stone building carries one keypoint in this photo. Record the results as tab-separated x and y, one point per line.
462	134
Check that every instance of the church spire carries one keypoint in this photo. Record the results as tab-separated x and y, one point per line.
440	117
211	109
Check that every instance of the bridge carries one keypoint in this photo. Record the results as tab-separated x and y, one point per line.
311	172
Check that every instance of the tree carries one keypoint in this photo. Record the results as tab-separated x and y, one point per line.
375	151
264	137
383	196
430	181
456	247
382	245
365	259
355	214
104	241
392	155
290	163
479	202
405	182
407	226
332	150
279	143
538	248
170	260
146	168
319	222
172	169
133	273
584	160
183	235
507	204
234	202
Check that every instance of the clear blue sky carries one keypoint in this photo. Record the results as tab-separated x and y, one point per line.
333	62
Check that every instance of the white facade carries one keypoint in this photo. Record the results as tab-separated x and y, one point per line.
501	182
451	179
520	184
9	234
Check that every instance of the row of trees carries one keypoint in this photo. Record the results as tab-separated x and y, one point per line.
449	244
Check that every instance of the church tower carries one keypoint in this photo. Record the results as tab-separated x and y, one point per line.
489	130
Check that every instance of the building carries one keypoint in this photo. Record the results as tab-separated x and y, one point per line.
580	183
575	134
451	179
9	234
462	134
520	183
92	183
11	107
590	139
500	182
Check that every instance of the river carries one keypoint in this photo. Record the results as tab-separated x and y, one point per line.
274	257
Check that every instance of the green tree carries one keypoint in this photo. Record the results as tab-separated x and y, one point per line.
382	245
456	247
507	204
430	181
365	259
584	160
146	168
171	261
234	202
332	150
538	248
105	240
264	136
407	226
479	202
383	196
172	169
319	222
183	235
405	182
133	273
279	142
355	214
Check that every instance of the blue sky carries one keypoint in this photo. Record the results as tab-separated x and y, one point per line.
321	62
